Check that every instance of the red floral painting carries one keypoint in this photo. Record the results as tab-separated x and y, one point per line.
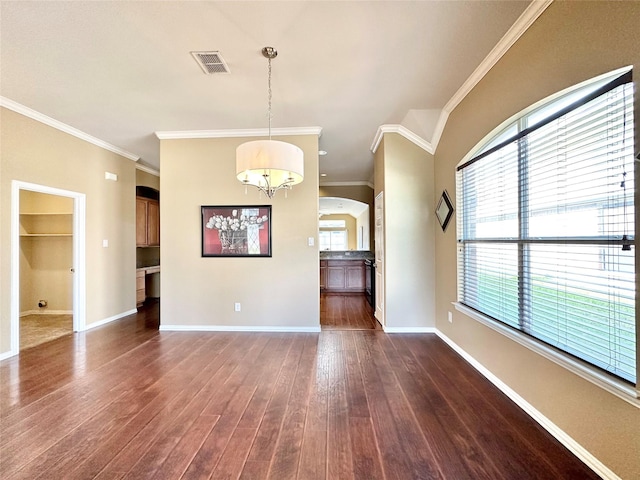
239	231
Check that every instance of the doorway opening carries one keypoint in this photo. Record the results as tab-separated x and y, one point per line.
339	311
47	264
344	241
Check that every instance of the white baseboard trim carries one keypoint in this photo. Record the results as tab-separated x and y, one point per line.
578	450
236	328
5	355
409	329
104	321
46	312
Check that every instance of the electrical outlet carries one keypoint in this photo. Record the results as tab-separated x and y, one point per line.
450	317
237	306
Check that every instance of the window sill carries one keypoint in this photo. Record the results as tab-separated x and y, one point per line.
612	385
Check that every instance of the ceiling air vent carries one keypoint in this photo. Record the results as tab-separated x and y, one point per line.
211	62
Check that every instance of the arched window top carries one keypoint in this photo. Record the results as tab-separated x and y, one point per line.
544	110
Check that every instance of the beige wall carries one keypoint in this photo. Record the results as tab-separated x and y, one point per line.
33	152
362	193
409	230
281	291
350	227
571	42
145	179
378	169
363	229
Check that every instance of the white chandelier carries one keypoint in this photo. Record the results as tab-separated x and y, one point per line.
269	165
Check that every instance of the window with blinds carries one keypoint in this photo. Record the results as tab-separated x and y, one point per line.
332	240
546	227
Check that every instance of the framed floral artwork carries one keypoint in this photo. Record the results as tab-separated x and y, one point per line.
236	231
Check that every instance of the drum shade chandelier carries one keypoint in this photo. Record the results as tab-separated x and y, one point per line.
269	165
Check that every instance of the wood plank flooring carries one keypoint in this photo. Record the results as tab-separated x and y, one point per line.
125	401
340	311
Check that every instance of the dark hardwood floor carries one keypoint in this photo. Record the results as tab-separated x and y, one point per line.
339	311
127	401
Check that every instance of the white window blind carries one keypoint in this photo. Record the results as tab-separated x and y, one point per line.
333	240
546	228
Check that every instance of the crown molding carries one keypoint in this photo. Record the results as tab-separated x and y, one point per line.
346	184
63	127
521	25
235	133
146	169
530	15
440	124
405	132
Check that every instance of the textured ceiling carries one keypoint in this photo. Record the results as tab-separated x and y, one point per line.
120	71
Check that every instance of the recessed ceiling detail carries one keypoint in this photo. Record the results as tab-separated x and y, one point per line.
211	62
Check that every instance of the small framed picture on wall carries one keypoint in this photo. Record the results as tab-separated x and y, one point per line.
444	210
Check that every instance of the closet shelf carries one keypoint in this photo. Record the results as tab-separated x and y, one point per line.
48	224
46	234
45	213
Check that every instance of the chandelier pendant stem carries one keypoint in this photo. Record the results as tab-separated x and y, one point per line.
269	96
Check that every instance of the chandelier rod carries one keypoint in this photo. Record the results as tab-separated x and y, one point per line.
270	53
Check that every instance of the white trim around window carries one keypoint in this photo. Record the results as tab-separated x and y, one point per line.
592	374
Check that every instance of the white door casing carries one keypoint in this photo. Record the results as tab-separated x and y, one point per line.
79	274
379	257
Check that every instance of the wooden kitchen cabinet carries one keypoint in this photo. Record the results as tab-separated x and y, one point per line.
147	222
153	223
342	276
142	283
354	276
323	274
141	221
141	292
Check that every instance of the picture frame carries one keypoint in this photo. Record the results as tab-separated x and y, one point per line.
444	210
235	231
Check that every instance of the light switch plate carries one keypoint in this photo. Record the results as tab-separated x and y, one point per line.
312	241
105	243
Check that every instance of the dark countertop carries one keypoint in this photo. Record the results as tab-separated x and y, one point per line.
347	255
139	266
